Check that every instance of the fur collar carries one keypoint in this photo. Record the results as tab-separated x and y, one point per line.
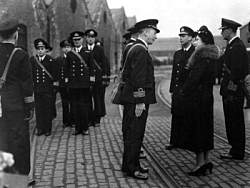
201	52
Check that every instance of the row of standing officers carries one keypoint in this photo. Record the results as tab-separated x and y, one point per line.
80	75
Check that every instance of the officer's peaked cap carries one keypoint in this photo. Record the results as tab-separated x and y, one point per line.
40	43
91	32
8	26
76	35
184	30
226	24
150	23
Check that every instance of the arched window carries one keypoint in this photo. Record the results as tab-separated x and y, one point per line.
105	17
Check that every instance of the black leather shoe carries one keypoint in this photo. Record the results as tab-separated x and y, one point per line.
143	170
76	133
138	175
169	147
97	125
39	133
85	132
47	134
229	156
31	182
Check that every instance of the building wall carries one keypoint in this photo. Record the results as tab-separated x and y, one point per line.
33	15
245	35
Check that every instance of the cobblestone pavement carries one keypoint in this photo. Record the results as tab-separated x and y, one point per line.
226	173
64	160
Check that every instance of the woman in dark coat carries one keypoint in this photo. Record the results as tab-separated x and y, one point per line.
198	91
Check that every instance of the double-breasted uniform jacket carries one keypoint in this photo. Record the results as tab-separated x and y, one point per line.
139	76
100	69
42	81
78	75
61	74
236	59
179	62
17	93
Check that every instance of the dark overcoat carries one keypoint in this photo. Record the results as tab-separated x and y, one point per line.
179	62
139	76
198	92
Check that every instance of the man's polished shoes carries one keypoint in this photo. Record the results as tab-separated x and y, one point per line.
47	134
138	175
171	146
39	133
143	170
85	132
229	156
76	133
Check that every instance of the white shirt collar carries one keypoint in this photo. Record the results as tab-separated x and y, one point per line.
186	49
78	49
41	58
232	39
143	41
91	47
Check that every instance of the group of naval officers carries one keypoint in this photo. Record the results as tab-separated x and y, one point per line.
80	75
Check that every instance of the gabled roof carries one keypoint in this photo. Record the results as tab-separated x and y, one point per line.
131	20
118	15
95	8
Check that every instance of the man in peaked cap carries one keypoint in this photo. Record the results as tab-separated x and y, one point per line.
138	94
16	98
100	78
67	107
44	76
79	72
180	59
235	60
77	38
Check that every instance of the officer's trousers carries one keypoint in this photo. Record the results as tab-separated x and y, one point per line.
14	138
134	129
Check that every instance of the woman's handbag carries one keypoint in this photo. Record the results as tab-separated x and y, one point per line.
116	93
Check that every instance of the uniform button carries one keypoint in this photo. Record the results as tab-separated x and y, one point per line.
178	64
177	71
176	78
73	65
81	65
176	85
43	80
81	69
73	74
43	70
37	81
81	74
37	70
37	77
